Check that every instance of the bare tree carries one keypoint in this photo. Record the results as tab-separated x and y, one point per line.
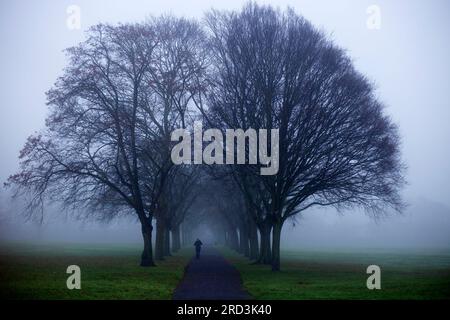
107	141
275	70
176	78
89	151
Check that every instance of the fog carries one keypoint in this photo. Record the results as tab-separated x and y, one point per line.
407	58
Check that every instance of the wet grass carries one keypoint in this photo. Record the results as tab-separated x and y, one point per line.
107	272
342	275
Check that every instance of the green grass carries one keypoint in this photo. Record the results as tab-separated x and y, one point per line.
107	272
113	272
342	275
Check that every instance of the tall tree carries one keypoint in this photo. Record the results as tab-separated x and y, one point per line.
107	139
89	152
175	79
274	70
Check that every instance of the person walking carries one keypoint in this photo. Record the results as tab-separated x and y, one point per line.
198	246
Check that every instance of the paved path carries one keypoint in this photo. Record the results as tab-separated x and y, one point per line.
210	277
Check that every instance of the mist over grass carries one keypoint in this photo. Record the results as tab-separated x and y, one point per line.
423	227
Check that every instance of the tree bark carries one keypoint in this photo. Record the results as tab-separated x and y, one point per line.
227	239
243	241
183	235
276	241
167	241
253	239
176	243
247	245
159	241
147	253
265	254
234	241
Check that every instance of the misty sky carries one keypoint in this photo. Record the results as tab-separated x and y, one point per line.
408	59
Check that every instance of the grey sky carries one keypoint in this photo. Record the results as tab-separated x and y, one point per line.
408	59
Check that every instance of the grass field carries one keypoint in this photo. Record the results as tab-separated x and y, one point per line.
342	275
112	272
107	272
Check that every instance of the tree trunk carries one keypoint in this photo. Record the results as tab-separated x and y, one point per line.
167	242
241	244
265	254
234	241
147	253
176	245
159	241
253	238
276	241
223	238
247	245
227	239
243	241
183	234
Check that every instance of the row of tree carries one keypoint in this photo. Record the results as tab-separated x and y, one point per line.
107	143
